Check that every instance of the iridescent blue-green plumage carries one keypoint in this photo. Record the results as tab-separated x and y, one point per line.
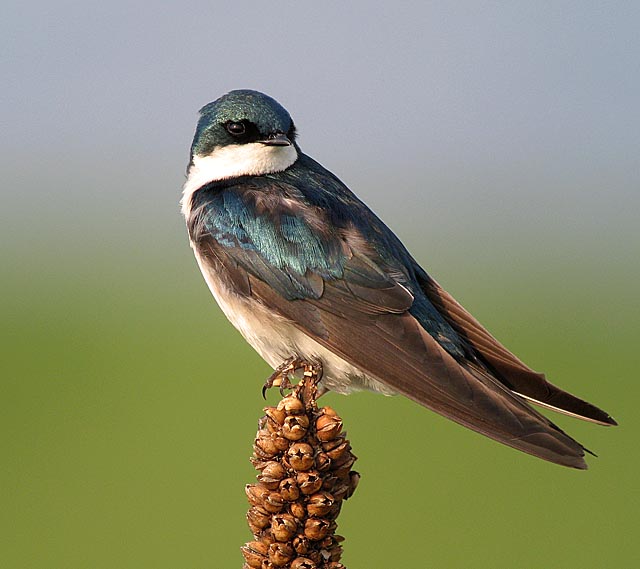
303	268
287	228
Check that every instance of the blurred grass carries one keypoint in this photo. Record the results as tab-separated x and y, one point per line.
130	405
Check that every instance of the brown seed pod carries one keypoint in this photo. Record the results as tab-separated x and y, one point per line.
329	411
273	502
333	443
276	415
331	548
303	563
354	479
291	405
323	462
337	453
301	456
258	517
340	491
256	494
298	510
289	489
255	552
280	442
264	445
328	427
309	482
344	464
320	503
272	473
284	527
280	553
316	528
301	544
295	427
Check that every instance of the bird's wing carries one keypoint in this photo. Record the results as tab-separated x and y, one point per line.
394	348
337	290
512	372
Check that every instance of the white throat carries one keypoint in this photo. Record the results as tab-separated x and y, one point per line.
252	159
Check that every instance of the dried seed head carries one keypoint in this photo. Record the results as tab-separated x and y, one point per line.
337	453
295	427
323	462
328	427
298	510
301	544
264	445
256	494
354	479
291	405
273	502
303	563
309	482
320	503
280	553
289	489
316	528
280	442
304	461
276	415
333	443
272	473
301	456
258	518
255	552
284	527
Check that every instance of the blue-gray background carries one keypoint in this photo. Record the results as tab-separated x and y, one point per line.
499	139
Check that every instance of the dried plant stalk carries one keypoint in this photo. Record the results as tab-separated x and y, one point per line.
304	461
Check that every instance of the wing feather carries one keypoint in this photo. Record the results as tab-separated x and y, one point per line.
510	370
396	350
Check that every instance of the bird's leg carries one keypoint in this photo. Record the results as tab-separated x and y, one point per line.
309	387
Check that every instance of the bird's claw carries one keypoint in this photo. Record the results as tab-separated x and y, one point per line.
282	374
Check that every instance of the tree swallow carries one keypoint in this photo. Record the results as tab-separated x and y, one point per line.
303	268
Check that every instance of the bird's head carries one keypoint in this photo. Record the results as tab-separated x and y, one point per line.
242	117
243	133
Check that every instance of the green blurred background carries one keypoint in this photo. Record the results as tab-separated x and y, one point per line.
500	141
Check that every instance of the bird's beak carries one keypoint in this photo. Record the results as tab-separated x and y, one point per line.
277	139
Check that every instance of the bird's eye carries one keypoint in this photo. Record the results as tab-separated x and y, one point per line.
235	128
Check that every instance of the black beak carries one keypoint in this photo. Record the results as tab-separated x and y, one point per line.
277	139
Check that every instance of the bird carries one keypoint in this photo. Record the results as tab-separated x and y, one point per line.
304	269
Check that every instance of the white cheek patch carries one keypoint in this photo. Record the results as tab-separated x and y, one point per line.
252	159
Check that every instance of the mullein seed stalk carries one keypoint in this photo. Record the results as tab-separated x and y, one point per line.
304	461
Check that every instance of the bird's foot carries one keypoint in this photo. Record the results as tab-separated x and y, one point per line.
281	377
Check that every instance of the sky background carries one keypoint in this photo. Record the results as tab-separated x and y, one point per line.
500	140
